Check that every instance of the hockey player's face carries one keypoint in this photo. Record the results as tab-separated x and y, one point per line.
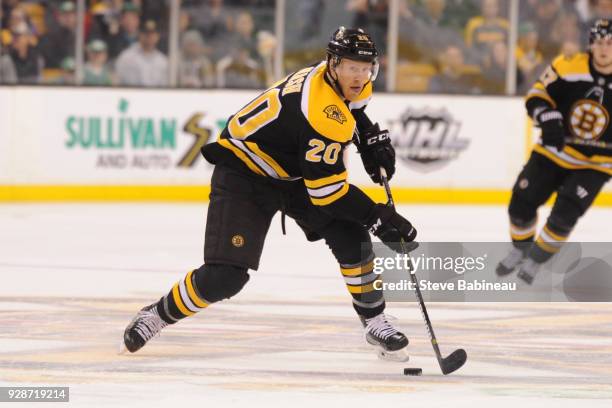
352	77
602	52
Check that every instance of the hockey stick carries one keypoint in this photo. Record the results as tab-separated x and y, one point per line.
590	143
457	358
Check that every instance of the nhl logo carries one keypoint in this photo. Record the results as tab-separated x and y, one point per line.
427	139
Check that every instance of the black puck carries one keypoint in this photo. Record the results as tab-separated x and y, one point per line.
413	371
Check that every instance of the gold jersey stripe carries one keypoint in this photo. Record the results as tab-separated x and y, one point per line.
241	155
362	289
265	157
358	270
179	302
331	198
192	293
540	92
325	180
595	158
566	165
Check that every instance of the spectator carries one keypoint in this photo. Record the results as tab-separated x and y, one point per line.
243	37
428	32
122	34
8	73
602	9
495	66
25	56
373	15
311	17
238	70
452	78
96	71
569	48
17	18
67	73
566	28
213	20
529	59
266	45
484	30
546	14
195	69
459	12
142	64
60	42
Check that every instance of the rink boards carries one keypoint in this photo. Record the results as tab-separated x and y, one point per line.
113	144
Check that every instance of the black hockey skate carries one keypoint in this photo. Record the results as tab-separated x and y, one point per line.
389	342
512	261
528	271
146	325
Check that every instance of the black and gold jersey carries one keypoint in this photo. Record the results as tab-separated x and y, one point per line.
296	131
572	86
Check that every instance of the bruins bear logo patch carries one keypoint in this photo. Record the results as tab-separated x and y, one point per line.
333	112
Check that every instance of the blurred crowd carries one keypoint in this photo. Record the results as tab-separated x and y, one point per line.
444	46
461	46
222	43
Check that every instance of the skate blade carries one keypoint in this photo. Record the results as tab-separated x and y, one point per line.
398	356
122	349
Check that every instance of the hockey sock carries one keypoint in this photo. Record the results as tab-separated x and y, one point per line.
182	301
360	280
548	243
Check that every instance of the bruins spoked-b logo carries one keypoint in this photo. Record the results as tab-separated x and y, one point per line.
588	119
238	241
333	112
427	139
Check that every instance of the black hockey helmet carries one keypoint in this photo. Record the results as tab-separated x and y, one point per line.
601	28
352	43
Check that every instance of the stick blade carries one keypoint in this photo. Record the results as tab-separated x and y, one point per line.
454	361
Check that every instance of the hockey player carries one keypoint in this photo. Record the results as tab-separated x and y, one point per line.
283	152
570	100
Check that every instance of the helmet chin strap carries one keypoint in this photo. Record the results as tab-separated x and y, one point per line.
334	82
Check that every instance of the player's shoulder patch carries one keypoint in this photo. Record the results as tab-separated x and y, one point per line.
333	112
324	110
574	68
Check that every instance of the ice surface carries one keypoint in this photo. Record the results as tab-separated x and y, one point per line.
72	276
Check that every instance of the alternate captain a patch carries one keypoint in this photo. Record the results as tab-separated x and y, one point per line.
333	112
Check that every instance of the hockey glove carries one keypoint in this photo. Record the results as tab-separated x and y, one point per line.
553	132
376	151
390	227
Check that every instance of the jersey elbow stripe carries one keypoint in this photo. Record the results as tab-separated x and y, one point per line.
332	197
325	191
334	178
542	94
